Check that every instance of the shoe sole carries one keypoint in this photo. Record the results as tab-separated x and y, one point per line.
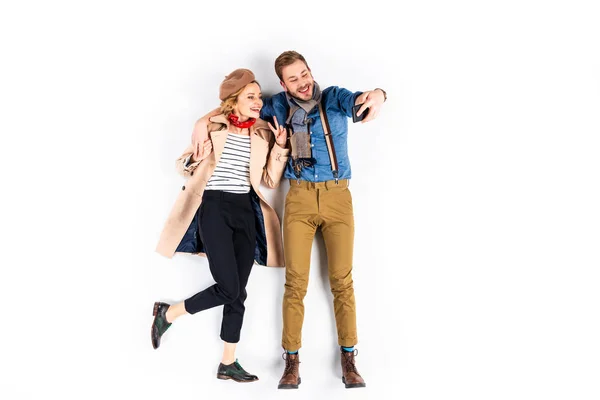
226	377
154	312
289	385
353	385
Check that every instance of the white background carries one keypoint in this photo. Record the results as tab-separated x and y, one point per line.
476	197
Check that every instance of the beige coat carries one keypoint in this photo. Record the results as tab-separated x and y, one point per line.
267	162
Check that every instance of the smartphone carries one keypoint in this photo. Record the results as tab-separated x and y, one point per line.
362	116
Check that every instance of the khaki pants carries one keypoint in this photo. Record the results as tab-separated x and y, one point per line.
308	206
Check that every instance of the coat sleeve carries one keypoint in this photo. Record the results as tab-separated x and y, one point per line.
185	164
276	161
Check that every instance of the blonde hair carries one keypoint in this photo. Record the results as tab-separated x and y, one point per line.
229	103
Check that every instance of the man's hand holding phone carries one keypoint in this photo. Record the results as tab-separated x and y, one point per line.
367	105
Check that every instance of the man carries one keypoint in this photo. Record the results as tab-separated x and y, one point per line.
319	173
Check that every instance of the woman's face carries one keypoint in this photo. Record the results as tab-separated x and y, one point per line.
249	101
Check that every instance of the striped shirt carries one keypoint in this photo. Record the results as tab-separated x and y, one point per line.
232	173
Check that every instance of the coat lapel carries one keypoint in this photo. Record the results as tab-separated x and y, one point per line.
258	154
218	141
219	137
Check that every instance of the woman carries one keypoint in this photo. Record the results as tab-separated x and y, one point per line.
221	213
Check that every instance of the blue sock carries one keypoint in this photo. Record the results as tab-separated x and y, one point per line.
348	349
292	352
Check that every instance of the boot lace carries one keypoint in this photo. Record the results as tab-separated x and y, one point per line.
291	366
349	361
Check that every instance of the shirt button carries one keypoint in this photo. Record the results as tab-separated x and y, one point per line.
183	188
312	145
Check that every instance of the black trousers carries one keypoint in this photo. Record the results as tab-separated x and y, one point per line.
228	231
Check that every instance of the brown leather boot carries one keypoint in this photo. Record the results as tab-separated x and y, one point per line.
291	373
350	375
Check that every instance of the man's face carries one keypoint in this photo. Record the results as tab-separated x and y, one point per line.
298	81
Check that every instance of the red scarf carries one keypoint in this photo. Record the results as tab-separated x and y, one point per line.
246	124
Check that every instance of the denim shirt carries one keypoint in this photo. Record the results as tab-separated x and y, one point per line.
337	103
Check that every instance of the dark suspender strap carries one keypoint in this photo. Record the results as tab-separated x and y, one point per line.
295	163
329	141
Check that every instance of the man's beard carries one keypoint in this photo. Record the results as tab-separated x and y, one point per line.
311	91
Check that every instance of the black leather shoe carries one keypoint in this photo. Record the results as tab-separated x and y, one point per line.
236	372
160	324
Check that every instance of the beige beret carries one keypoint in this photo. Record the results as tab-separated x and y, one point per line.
234	82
